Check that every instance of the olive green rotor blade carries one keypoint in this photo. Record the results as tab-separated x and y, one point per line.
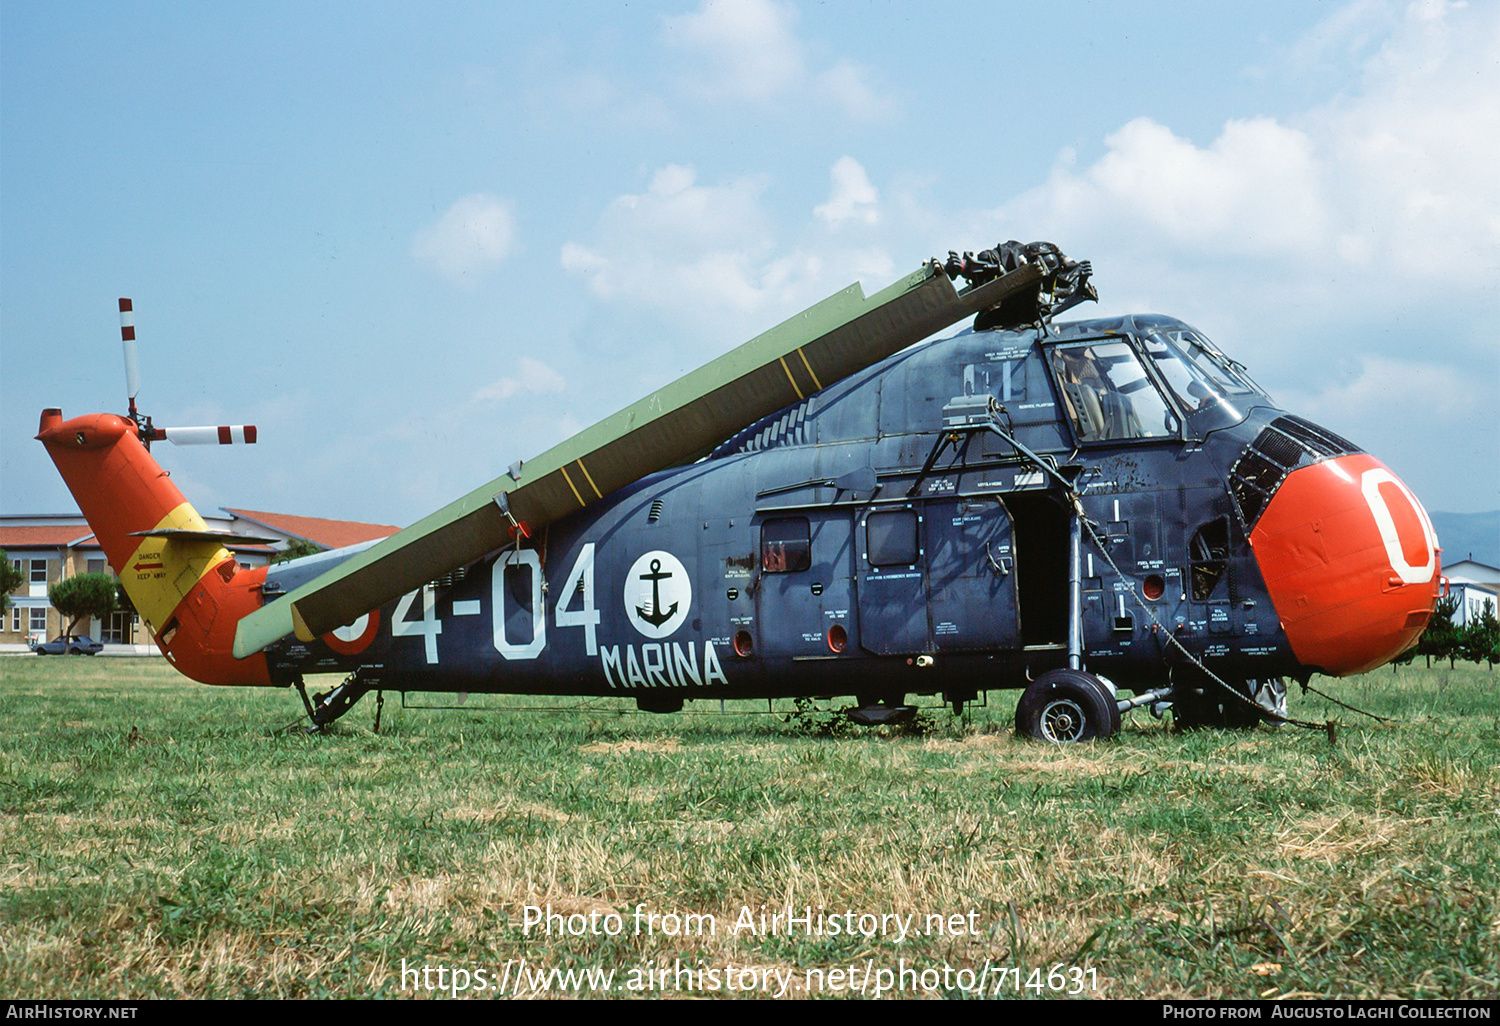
825	343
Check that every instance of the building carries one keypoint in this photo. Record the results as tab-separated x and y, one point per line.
325	534
1474	583
1472	599
1472	571
50	547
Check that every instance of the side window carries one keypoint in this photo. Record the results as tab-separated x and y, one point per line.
891	538
1108	395
785	545
1004	379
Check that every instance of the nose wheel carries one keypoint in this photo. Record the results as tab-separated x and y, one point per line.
1065	707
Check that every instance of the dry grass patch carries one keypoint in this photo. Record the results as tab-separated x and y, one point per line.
1332	840
631	745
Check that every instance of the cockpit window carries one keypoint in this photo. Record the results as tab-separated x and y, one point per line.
1229	375
1199	386
1108	393
1192	386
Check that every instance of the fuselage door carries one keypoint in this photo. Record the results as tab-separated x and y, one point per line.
892	576
803	587
971	575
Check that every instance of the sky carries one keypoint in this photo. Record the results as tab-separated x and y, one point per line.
415	243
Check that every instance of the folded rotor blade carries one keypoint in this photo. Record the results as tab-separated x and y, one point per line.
825	343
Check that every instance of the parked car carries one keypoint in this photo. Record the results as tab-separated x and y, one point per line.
70	644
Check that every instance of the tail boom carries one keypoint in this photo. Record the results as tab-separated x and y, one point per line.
185	584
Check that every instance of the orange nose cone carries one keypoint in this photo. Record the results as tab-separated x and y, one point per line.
1351	562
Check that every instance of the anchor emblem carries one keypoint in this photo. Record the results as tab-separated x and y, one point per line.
656	617
658	594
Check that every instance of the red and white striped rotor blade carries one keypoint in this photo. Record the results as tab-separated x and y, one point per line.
224	434
127	337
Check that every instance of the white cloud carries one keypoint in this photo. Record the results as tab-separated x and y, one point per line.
1253	190
1384	385
748	48
675	240
1347	33
848	87
474	234
1424	419
1398	180
853	198
708	256
531	376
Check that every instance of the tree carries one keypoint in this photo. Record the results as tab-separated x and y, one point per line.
1441	636
1480	640
296	549
83	595
10	579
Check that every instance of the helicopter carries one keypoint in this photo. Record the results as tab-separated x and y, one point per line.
1109	514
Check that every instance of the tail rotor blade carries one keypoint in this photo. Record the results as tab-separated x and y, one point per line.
127	336
224	434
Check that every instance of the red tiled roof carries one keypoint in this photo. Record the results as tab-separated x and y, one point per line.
331	534
52	536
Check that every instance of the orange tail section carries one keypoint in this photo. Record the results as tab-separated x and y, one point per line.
188	589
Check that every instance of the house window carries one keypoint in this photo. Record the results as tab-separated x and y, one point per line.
15	618
39	619
785	545
38	571
96	566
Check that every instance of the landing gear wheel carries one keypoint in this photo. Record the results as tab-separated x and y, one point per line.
1067	706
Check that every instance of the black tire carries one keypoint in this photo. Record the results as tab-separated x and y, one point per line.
75	651
41	651
1066	707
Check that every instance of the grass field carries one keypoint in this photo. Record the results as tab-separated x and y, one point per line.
160	839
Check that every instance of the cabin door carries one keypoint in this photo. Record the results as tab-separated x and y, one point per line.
971	580
937	576
891	577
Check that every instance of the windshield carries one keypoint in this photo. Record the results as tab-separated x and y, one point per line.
1200	386
1211	360
1108	394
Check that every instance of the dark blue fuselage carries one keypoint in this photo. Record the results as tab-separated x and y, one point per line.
799	559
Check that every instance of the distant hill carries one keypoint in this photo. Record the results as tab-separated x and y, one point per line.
1463	534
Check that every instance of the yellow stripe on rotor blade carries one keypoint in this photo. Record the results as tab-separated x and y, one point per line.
810	373
572	486
590	478
790	378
